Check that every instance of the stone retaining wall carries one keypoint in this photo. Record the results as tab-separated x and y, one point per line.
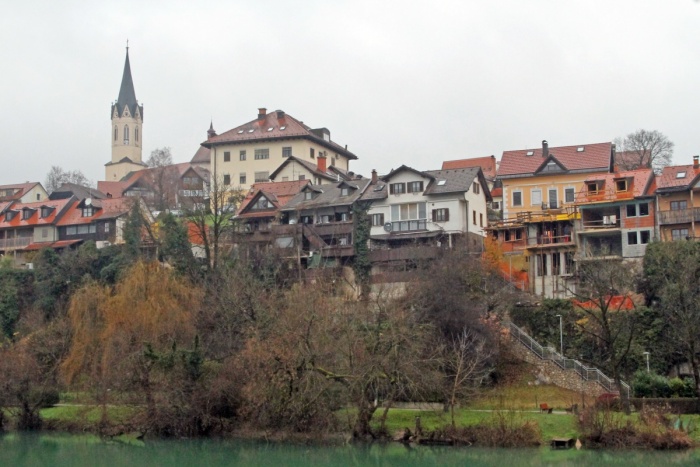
550	372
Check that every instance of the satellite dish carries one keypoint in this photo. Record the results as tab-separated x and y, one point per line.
387	226
88	201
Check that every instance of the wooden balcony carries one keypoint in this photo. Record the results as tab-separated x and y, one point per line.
400	254
679	216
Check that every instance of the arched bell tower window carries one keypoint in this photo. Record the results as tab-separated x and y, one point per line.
136	134
116	133
126	134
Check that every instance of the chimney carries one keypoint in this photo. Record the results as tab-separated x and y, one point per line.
545	148
280	114
696	162
374	176
262	111
321	162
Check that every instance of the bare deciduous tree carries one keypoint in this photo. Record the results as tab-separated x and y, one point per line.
644	148
57	177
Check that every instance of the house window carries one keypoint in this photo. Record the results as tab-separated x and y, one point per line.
377	219
308	195
408	217
263	203
46	212
679	205
536	197
569	195
71	230
414	187
643	209
332	161
397	188
592	188
631	238
342	216
541	265
324	219
227	179
261	154
116	133
645	237
496	205
285	179
311	153
481	219
307	219
262	176
477	188
621	185
242	178
679	234
286	151
441	215
83	229
556	264
126	134
227	156
302	177
88	211
44	233
553	195
26	214
517	198
474	217
242	155
518	234
344	191
106	227
136	134
631	210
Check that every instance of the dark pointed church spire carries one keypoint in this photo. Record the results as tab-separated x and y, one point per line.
127	95
211	132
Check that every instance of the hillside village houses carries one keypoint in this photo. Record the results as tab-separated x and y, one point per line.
548	208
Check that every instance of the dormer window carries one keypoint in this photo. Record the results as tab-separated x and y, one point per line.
621	185
9	215
27	213
592	188
308	195
46	211
345	191
88	211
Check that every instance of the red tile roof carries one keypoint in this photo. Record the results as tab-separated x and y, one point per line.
21	188
594	157
202	156
669	179
273	125
496	192
108	208
56	245
279	193
487	164
641	180
35	219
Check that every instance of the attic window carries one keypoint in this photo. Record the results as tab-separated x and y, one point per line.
621	185
592	188
271	128
379	188
251	130
309	195
240	131
442	182
530	153
680	175
283	127
344	191
580	149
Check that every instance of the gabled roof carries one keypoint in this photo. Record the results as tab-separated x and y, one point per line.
202	156
275	125
487	164
327	196
677	178
59	206
117	189
592	158
403	168
81	192
279	193
310	166
456	181
113	189
107	208
641	180
20	189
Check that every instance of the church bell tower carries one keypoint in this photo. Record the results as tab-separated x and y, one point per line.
127	130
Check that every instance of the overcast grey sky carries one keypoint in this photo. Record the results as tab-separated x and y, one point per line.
399	82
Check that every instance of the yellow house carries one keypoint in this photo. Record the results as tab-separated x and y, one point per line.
251	152
540	187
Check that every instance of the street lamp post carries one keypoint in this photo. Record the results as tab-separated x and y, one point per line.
561	336
646	354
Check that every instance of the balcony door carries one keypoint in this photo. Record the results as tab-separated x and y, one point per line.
553	199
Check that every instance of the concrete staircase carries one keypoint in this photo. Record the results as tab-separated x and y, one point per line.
564	372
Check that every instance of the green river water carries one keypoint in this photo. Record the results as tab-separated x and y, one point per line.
75	450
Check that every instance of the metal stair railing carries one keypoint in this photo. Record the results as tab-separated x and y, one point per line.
548	353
